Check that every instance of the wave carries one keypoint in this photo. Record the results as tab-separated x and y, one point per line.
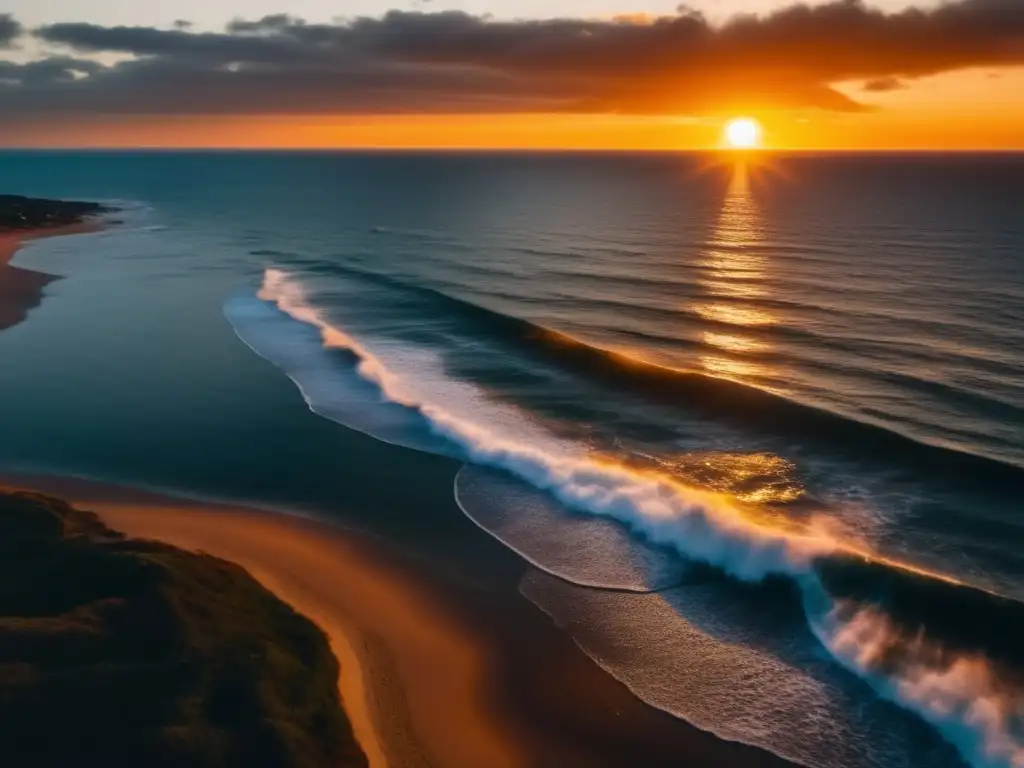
663	510
939	647
586	550
975	703
724	400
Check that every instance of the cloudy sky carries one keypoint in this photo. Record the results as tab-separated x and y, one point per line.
212	14
569	73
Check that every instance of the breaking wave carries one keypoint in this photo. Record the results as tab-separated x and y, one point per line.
886	621
725	400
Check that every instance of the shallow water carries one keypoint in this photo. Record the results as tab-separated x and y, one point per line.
764	423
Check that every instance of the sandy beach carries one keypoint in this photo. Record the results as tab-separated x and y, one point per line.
434	671
21	290
11	241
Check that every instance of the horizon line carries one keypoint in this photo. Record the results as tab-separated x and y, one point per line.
764	151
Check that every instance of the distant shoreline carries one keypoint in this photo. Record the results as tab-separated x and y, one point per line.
19	213
29	218
12	240
21	290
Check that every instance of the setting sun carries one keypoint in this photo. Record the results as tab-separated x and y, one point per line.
743	133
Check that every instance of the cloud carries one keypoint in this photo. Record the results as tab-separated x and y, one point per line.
453	62
10	30
55	69
274	23
882	84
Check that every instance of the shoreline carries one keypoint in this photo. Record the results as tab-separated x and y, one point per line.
444	662
22	290
142	653
13	240
435	671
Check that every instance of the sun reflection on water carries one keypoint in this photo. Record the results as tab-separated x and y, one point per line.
733	342
733	272
733	315
763	479
732	287
731	368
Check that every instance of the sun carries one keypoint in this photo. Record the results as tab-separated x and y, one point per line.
743	133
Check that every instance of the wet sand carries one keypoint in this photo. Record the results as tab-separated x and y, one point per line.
21	290
436	671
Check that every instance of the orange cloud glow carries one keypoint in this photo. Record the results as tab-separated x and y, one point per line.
836	76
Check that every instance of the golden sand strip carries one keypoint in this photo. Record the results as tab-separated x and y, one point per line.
435	671
21	290
11	241
336	580
286	562
8	246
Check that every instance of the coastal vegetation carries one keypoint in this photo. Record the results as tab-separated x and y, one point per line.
123	652
23	213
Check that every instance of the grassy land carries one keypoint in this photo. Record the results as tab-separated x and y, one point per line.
18	212
118	652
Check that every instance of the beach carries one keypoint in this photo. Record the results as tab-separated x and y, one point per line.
21	290
435	670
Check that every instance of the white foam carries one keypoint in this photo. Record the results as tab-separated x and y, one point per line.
961	697
699	525
722	667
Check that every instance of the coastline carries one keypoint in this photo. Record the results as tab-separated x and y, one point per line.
141	653
12	240
435	671
444	662
21	290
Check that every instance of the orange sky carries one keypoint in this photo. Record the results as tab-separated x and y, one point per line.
667	83
975	109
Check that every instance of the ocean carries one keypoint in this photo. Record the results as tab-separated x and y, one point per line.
757	423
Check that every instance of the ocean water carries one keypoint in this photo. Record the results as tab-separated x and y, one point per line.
758	425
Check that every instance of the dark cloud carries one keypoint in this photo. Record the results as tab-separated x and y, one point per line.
277	22
55	69
10	30
455	62
882	84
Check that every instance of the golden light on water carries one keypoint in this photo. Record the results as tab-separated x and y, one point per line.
733	342
725	313
753	478
735	287
732	367
733	272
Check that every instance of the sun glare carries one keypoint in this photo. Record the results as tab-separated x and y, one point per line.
743	133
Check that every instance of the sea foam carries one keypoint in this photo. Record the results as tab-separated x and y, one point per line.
701	525
960	696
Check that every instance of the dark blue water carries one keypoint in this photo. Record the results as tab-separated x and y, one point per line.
759	426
